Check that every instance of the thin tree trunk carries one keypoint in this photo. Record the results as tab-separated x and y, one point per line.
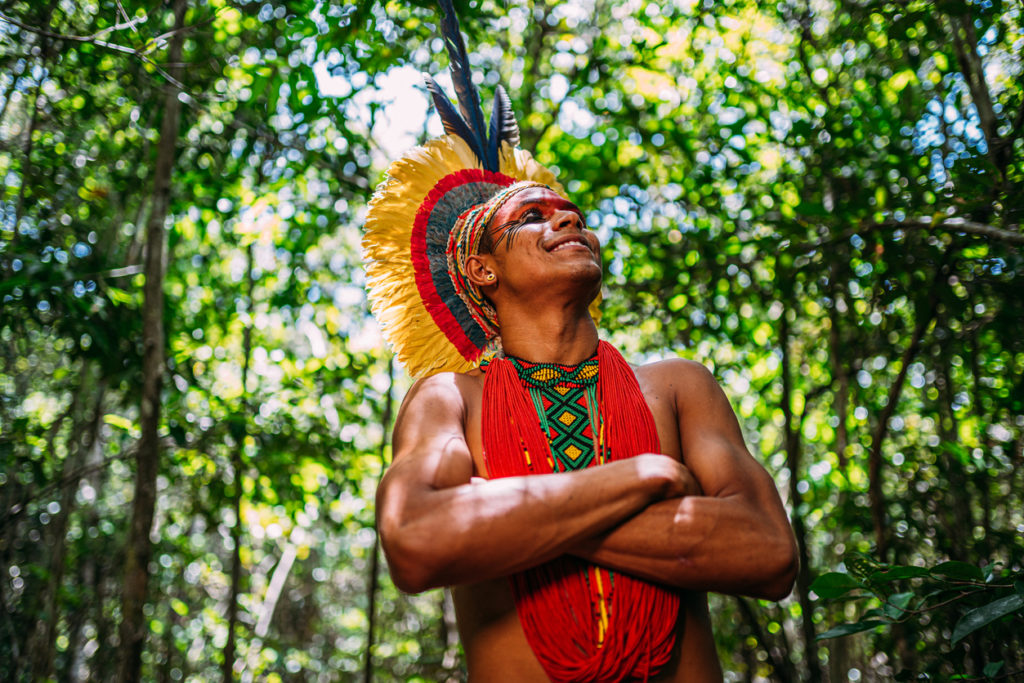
26	150
875	496
783	669
139	547
449	632
958	497
978	408
842	375
9	90
965	43
273	594
46	628
371	590
793	447
228	673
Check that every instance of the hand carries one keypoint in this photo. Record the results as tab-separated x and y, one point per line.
670	478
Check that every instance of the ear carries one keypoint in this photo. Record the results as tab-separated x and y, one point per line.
481	271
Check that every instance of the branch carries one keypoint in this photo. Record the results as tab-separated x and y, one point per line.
950	225
93	38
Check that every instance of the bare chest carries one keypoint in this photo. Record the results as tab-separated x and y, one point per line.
660	400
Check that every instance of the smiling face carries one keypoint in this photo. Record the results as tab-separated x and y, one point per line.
539	238
544	218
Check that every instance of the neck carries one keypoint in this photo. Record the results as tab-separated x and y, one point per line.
549	335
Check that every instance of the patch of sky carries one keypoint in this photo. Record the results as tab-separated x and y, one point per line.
575	120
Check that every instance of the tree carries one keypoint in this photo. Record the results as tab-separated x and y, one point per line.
820	201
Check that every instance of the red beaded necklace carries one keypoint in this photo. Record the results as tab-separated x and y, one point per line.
583	622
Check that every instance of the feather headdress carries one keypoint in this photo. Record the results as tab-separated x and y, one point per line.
413	211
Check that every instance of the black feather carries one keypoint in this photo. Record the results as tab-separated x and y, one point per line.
507	126
450	119
462	79
503	127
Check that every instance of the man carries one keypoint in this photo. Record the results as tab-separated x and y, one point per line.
698	515
579	508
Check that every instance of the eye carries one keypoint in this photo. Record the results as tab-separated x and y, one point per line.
531	215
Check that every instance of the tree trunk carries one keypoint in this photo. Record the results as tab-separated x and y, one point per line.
45	635
266	611
875	496
26	168
228	673
965	43
449	633
136	574
793	447
783	670
371	589
842	375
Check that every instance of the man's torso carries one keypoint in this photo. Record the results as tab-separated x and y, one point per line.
493	639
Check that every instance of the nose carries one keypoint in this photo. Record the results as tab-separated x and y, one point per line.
567	220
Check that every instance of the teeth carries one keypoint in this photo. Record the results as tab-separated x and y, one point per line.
567	244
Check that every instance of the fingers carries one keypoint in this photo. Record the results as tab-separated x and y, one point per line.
667	477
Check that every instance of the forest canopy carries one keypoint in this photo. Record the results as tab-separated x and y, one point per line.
819	200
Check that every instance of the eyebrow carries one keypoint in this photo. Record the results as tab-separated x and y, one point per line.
560	203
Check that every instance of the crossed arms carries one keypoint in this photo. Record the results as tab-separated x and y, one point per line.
715	523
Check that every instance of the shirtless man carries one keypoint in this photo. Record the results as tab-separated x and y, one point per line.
701	516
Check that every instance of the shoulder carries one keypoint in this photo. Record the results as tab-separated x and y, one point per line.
443	394
679	375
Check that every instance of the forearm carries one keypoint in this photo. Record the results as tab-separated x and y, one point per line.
727	545
480	531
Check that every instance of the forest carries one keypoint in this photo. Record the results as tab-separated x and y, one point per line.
819	200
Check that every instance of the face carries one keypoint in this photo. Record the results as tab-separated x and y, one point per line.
539	218
538	238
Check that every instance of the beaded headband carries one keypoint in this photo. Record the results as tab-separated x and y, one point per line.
464	241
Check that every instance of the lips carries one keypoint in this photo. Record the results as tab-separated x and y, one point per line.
568	242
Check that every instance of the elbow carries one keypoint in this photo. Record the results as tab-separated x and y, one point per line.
412	565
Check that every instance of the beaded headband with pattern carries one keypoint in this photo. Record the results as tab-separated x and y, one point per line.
464	241
434	319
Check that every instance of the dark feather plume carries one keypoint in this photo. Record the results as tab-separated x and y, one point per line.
470	124
462	76
450	119
503	126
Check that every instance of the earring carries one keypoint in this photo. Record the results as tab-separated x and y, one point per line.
490	277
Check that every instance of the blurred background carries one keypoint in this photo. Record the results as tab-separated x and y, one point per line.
819	200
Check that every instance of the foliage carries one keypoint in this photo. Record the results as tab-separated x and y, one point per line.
951	592
821	201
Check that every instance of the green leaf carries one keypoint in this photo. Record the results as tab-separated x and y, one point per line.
896	605
899	572
862	565
178	606
992	668
958	570
834	584
119	422
849	629
984	615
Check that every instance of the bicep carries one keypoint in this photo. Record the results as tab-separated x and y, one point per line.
711	441
429	442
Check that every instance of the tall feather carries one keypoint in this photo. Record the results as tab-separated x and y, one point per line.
503	126
450	119
462	79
